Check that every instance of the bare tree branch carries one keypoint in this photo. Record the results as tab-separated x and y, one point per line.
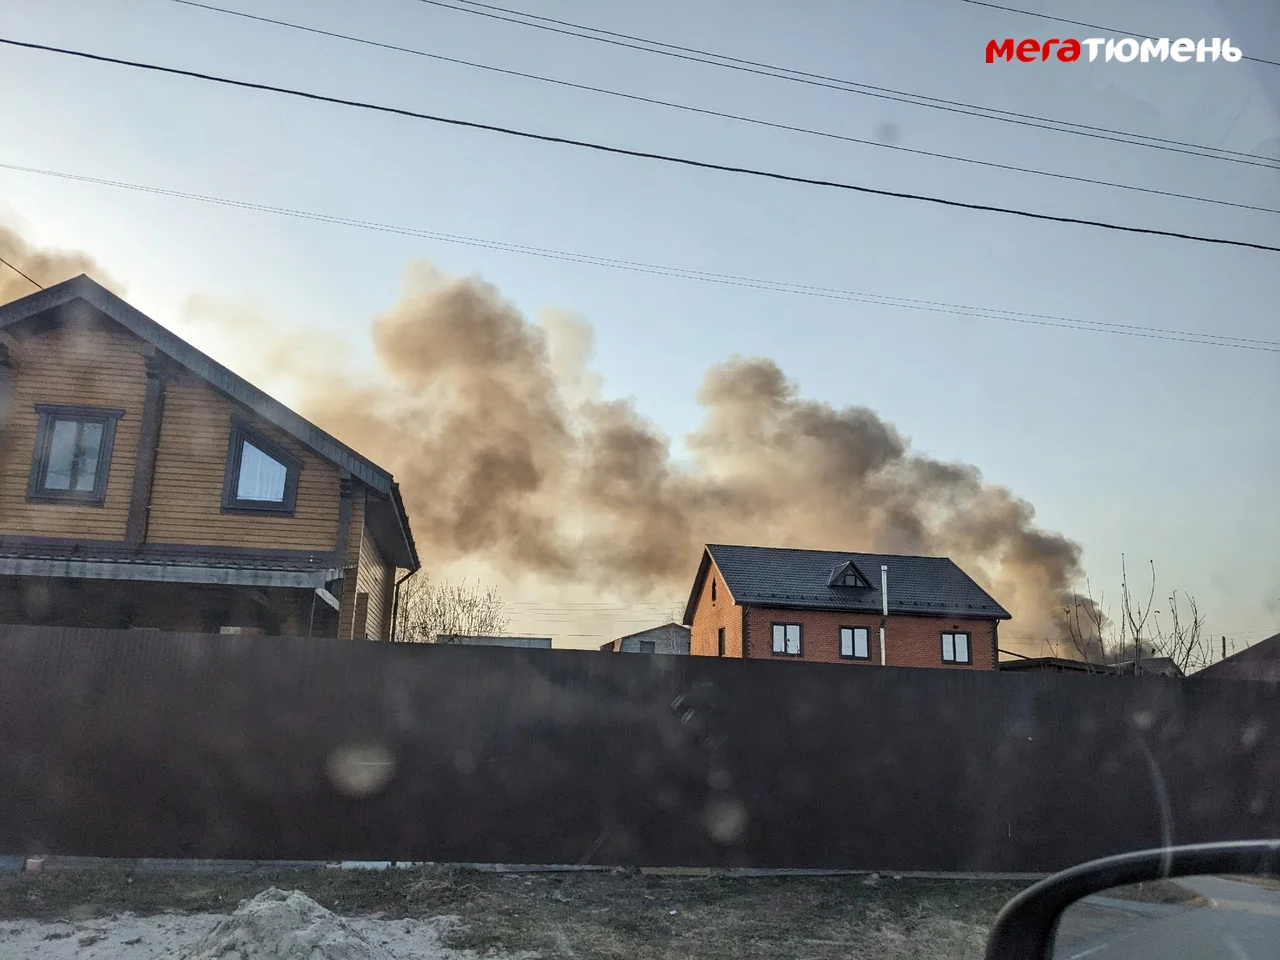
429	609
1121	644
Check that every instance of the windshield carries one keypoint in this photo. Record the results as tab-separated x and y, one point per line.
600	479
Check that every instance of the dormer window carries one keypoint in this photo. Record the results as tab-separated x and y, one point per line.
261	476
847	575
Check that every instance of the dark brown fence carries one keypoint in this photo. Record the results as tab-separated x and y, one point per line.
137	744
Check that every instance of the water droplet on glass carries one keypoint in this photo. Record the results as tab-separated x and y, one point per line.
360	770
726	820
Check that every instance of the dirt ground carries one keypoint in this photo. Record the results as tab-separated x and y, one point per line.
553	915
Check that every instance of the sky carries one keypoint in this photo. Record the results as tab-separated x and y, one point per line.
1154	449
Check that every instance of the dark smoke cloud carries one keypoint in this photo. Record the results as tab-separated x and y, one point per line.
509	458
46	267
506	454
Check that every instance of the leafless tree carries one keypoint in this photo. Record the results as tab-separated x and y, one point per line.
430	608
1184	642
1112	645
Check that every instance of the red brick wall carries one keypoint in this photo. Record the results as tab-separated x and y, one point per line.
709	617
909	641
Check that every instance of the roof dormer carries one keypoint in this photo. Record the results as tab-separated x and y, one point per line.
848	575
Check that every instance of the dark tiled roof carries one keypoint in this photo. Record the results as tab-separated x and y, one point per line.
772	576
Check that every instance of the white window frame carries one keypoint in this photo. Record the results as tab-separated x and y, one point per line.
785	636
951	640
854	635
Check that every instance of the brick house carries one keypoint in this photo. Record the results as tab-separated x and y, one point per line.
827	606
144	485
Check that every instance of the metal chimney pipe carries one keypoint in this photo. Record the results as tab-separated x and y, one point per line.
884	606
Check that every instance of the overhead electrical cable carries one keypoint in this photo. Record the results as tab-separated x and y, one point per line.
19	272
849	86
639	154
756	283
722	114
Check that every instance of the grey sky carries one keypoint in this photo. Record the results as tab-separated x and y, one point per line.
1158	449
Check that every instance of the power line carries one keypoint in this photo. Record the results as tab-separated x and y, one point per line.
719	113
641	154
19	272
726	62
1091	26
755	283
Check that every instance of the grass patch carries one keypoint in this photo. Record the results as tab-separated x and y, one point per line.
1157	891
605	915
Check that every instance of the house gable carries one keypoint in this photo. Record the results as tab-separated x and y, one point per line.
93	366
83	309
188	494
708	583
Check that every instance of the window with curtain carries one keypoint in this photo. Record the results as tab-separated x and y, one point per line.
261	477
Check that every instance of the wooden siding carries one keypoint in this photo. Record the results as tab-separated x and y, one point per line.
186	499
355	538
90	365
374	577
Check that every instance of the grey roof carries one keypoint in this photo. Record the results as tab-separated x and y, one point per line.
801	579
234	386
170	570
678	627
1260	661
246	561
528	643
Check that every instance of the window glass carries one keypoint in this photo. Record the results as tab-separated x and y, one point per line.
793	639
949	647
62	456
261	477
962	647
779	638
86	466
853	642
73	456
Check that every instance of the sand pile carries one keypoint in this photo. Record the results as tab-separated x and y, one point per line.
283	925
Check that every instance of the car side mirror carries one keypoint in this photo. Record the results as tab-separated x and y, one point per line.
1203	902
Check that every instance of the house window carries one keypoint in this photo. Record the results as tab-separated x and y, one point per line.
713	589
854	643
955	648
720	642
648	646
73	454
261	476
786	639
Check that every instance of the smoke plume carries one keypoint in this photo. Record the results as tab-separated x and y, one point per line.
506	453
46	267
509	458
